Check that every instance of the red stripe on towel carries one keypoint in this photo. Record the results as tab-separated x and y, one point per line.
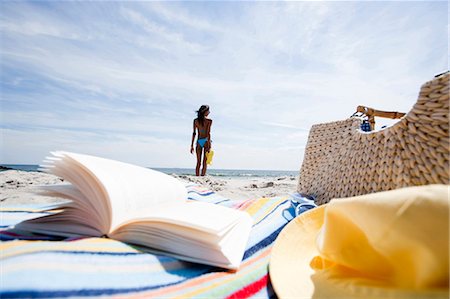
251	289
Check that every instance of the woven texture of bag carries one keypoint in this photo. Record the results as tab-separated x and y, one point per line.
341	161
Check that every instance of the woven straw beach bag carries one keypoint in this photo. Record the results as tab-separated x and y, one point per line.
341	160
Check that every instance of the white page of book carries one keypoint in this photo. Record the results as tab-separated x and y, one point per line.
218	235
78	204
133	191
207	217
86	183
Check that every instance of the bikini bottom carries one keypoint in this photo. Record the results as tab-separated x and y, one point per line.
202	142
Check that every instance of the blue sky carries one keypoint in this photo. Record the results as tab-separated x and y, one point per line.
123	79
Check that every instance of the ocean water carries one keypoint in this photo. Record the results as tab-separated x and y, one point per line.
243	173
235	173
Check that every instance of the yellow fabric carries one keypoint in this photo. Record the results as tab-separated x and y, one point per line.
209	157
391	244
396	236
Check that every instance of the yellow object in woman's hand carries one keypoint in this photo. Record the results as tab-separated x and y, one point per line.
209	157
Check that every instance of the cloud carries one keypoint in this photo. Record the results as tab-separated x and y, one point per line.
282	125
173	38
176	14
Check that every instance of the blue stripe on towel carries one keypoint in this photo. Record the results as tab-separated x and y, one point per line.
201	194
264	243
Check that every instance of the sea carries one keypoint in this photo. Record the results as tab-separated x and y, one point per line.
233	173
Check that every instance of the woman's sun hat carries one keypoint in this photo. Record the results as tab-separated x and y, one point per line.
392	244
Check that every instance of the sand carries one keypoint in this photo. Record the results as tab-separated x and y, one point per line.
19	187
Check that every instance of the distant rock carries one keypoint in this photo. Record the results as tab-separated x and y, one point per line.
267	185
3	168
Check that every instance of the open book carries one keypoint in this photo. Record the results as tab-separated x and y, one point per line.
141	206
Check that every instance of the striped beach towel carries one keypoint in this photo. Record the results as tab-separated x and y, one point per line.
36	266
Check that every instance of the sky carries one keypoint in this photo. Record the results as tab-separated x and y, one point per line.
123	79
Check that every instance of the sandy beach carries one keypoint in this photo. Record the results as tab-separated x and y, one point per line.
19	187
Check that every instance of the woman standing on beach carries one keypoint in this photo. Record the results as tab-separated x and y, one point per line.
202	125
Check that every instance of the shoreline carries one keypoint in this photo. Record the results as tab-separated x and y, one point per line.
214	172
18	187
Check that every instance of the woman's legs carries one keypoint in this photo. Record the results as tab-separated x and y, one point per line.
198	150
204	162
200	160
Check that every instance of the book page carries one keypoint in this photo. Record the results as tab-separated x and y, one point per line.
85	182
68	220
132	191
64	228
78	202
198	216
194	231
